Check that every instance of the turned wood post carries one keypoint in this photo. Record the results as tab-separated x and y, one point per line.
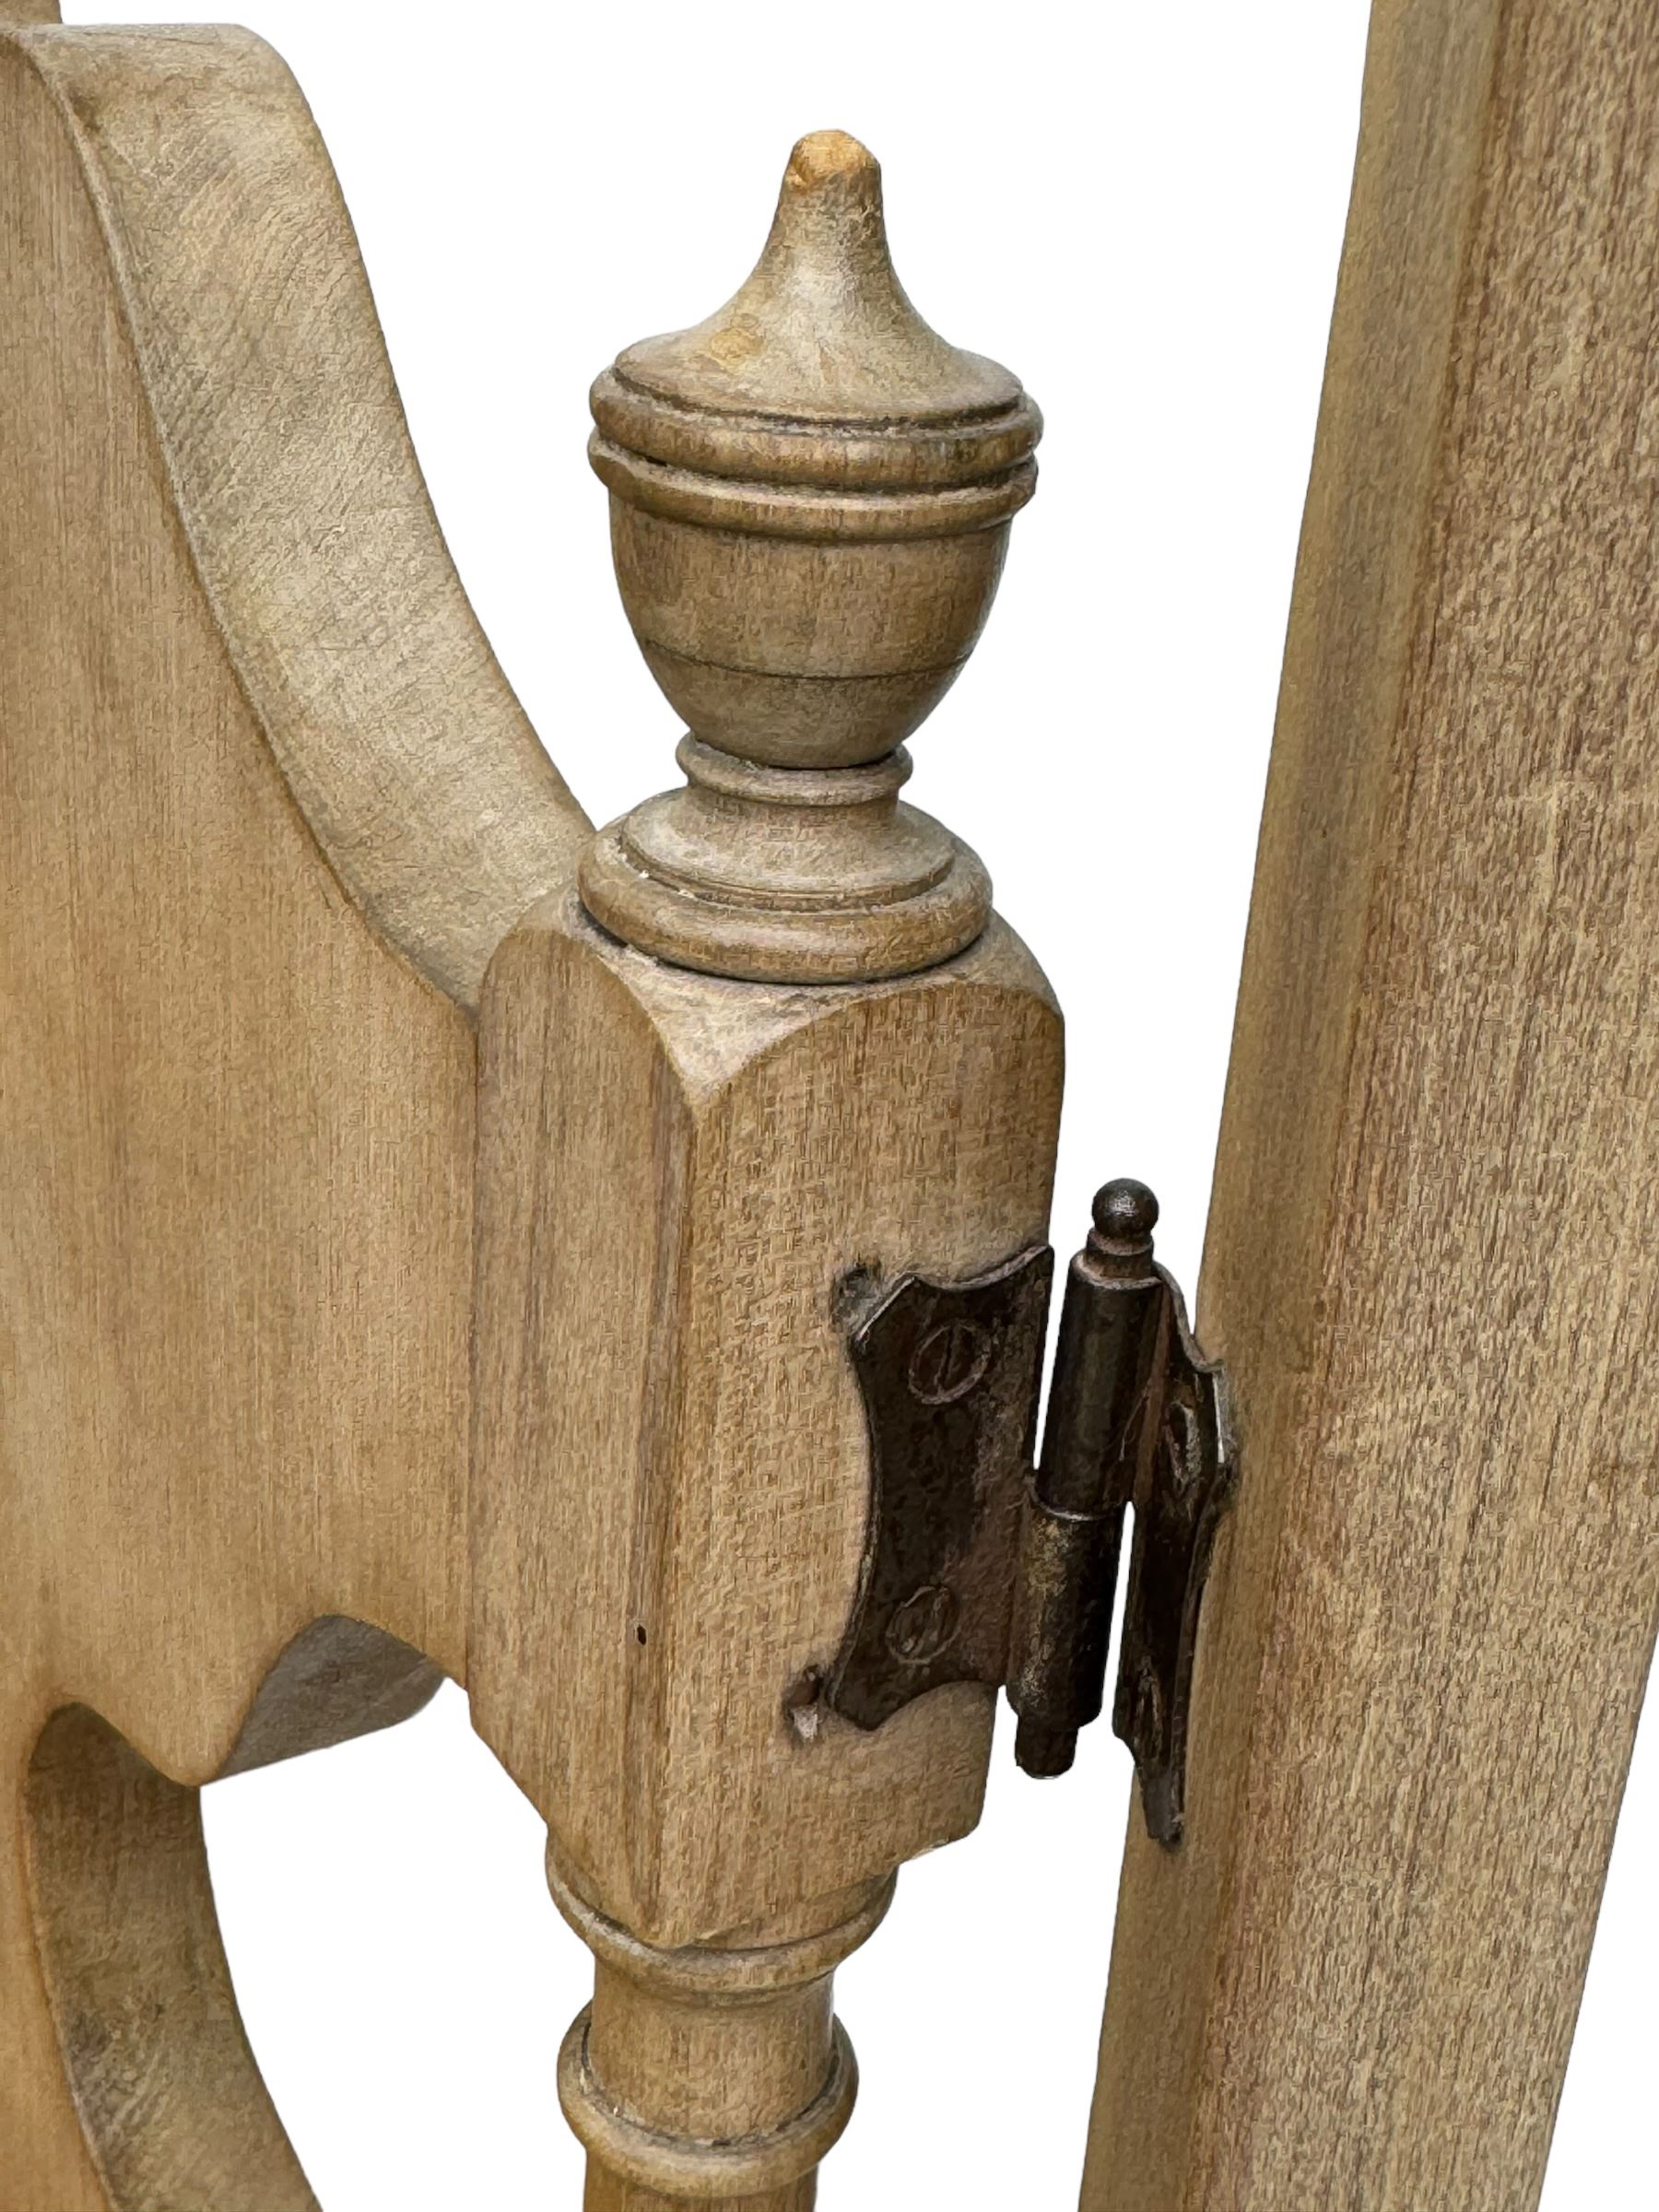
715	2071
778	1039
811	500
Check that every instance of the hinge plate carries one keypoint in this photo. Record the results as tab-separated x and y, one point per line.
949	1374
977	1566
1185	1487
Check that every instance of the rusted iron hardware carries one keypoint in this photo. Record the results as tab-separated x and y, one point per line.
950	1374
1137	1416
978	1568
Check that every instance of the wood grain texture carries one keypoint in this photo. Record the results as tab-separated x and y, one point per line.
671	1468
711	2072
254	334
265	806
268	811
1430	1266
667	1201
811	494
677	1170
173	2111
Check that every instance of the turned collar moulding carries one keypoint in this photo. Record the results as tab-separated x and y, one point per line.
811	500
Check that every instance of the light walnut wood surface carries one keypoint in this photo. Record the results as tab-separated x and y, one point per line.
671	1481
811	498
283	1440
689	1140
1431	1264
266	804
676	1170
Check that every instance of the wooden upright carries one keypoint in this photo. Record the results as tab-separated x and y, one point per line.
777	1037
1432	1268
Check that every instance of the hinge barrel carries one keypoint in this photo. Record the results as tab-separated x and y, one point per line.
1110	1329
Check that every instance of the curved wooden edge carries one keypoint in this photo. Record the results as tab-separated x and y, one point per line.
166	2091
166	2088
262	361
307	1162
338	1679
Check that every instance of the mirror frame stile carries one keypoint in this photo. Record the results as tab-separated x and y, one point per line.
1429	1265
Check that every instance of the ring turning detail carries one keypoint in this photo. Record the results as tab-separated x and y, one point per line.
711	2073
810	499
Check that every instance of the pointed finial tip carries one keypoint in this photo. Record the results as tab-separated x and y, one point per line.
828	156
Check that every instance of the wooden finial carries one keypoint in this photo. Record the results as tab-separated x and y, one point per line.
811	500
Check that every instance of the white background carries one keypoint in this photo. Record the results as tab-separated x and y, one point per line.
1141	209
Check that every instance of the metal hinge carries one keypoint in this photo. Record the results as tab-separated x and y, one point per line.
979	1567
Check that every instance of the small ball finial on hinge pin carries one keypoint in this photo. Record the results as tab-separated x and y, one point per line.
811	500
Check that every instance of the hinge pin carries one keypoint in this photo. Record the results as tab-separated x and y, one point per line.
1074	1521
1136	1417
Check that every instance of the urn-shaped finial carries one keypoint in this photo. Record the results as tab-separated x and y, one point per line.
810	499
